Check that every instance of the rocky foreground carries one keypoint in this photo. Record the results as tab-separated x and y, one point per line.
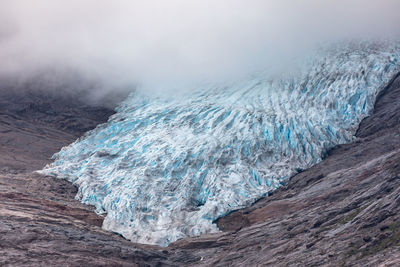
343	211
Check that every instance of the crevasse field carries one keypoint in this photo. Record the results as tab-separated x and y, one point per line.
164	168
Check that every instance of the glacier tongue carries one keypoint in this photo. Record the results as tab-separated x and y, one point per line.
166	168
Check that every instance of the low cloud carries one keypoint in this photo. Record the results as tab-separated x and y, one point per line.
162	44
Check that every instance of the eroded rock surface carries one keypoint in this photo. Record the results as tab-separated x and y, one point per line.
343	211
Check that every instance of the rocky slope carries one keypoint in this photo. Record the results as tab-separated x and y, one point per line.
343	211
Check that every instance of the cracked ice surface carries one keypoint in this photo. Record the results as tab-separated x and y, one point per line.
164	168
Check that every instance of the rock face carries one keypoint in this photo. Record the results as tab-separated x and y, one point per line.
343	211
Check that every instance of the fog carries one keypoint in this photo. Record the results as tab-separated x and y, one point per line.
172	44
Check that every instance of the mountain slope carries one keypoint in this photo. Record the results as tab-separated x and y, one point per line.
344	210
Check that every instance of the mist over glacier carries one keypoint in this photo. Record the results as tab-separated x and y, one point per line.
168	46
229	98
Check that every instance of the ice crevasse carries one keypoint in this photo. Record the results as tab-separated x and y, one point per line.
163	168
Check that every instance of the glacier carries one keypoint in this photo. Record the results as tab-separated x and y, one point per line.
166	167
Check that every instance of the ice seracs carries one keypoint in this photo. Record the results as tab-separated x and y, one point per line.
164	168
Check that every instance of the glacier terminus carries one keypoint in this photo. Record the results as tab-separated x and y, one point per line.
164	168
